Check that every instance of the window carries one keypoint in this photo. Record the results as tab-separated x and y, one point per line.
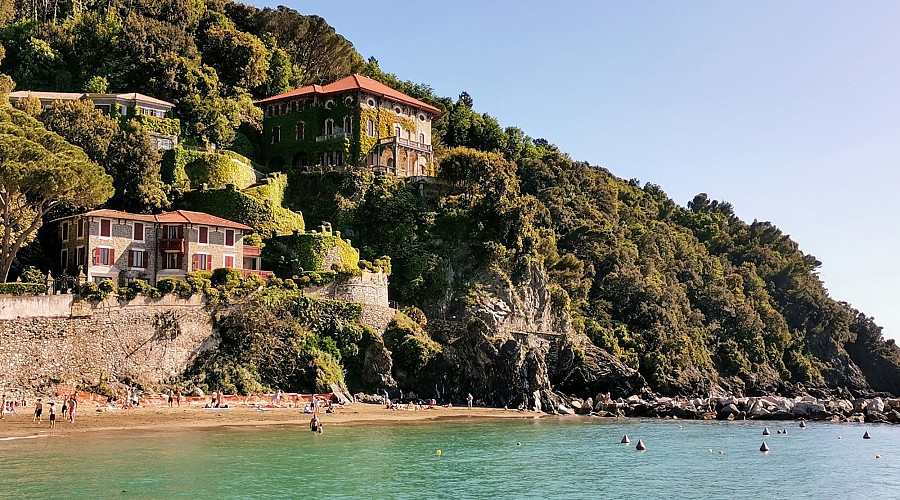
173	232
64	259
136	259
105	228
397	130
329	126
370	127
371	102
268	111
421	138
422	117
329	104
172	260
104	256
276	135
348	100
229	261
79	256
138	231
202	262
104	108
203	235
301	131
398	110
229	237
80	230
64	233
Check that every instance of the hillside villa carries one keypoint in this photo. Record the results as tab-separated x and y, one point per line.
152	112
121	246
353	122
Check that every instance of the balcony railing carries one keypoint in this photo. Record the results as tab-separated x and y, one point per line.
409	143
265	275
328	137
166	244
251	251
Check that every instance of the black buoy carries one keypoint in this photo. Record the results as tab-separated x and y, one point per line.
764	448
867	435
640	446
803	423
625	439
766	431
784	431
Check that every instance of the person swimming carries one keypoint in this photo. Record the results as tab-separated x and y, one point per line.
314	424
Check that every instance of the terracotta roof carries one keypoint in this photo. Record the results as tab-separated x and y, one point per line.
353	82
176	217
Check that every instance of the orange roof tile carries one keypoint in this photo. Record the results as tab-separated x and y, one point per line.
176	217
353	82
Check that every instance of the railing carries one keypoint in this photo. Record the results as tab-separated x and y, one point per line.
328	137
171	244
265	275
251	251
421	146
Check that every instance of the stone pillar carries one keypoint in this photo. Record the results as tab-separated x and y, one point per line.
50	282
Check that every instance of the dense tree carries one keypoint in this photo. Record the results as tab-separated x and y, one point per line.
38	171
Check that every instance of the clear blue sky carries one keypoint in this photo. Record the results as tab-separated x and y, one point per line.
788	110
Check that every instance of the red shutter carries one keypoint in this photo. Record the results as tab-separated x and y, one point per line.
209	262
196	262
112	257
131	258
96	256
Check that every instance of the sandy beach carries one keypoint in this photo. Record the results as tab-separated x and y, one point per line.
94	417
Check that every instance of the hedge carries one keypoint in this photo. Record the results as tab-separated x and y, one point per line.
18	288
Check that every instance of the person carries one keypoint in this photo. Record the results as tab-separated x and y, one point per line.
387	399
72	404
178	399
3	407
171	398
52	416
469	399
314	423
38	410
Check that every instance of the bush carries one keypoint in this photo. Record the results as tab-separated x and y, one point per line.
226	277
416	315
16	288
34	275
183	289
166	285
107	286
91	291
411	348
199	280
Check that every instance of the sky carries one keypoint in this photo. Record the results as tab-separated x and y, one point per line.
788	110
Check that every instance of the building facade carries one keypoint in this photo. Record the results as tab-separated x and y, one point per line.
154	114
354	122
121	246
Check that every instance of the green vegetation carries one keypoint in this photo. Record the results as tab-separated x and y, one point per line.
268	218
186	169
20	288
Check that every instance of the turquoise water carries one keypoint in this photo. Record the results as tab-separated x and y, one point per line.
558	458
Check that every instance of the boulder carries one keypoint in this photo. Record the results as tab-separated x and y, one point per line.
805	408
856	417
875	405
575	403
859	405
586	408
339	395
893	417
875	417
728	412
565	410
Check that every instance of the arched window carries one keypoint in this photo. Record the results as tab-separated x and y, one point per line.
370	127
397	130
329	126
346	124
276	135
421	138
301	131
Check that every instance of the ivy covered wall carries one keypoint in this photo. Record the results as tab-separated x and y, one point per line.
186	169
262	214
288	149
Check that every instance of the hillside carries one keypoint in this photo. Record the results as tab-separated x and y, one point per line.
514	237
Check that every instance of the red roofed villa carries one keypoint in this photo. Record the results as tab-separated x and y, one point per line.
355	122
109	244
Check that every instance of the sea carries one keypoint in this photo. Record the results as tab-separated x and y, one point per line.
566	457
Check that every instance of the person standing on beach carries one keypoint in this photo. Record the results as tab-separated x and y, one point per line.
52	416
469	400
72	404
38	410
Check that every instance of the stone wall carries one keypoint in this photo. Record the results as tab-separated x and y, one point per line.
376	317
148	340
369	288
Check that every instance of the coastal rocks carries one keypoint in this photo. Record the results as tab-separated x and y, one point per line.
806	408
728	412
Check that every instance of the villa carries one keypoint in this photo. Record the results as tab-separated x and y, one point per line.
121	246
355	122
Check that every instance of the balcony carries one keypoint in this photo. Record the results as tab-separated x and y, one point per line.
168	245
265	275
252	251
407	143
328	137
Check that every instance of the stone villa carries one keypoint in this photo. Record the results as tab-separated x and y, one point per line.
353	122
129	105
109	244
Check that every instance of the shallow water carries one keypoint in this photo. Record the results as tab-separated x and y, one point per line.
557	458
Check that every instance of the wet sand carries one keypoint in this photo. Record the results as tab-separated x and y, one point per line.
92	417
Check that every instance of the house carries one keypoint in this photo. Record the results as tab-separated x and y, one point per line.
109	244
154	114
353	122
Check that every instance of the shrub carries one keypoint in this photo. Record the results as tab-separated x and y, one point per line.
183	289
34	275
107	286
166	285
199	280
411	348
416	315
226	277
91	291
16	288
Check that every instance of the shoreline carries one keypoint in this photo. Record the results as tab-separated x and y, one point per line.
187	418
